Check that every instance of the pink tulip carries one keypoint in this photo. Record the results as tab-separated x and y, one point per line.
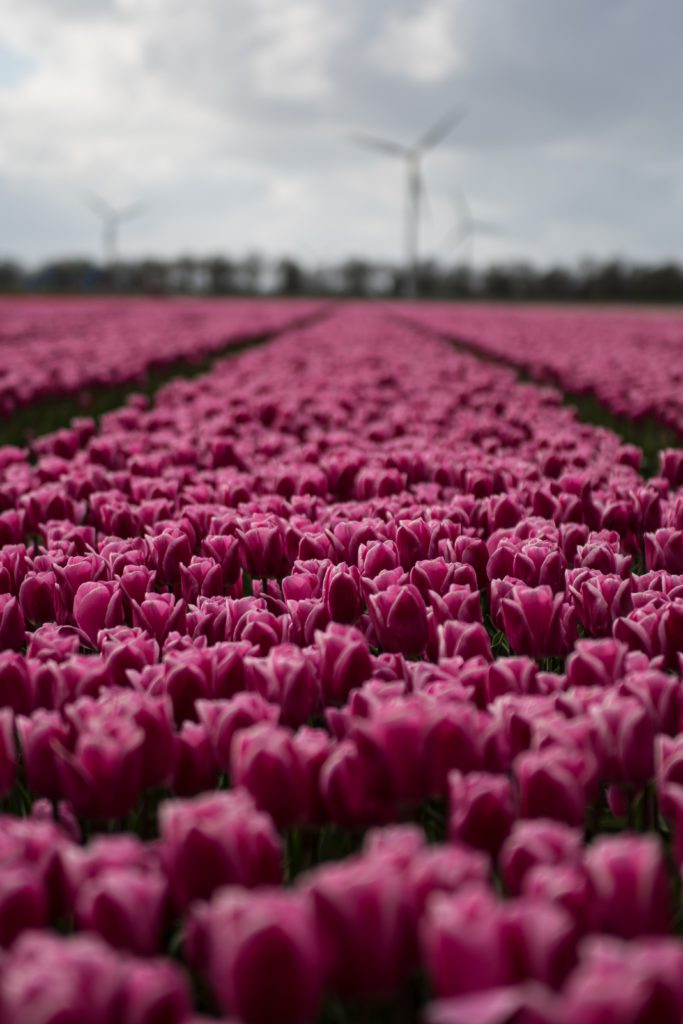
632	895
399	617
217	839
126	907
344	661
537	622
269	935
12	625
482	809
533	843
366	925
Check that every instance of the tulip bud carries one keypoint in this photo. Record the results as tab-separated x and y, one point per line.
631	886
217	839
98	605
126	907
399	617
482	809
254	936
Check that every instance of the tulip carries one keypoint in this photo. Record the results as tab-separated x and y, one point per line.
223	718
154	990
102	774
353	787
226	552
511	675
16	686
202	577
632	895
217	839
14	564
399	617
463	640
413	541
540	842
341	593
555	783
76	571
287	677
596	663
624	740
661	696
252	937
124	649
401	844
377	557
51	642
482	809
126	907
8	753
564	885
136	581
171	550
263	550
40	736
98	605
599	599
48	979
445	869
464	943
264	756
159	615
344	661
366	925
195	768
664	550
12	625
537	622
39	598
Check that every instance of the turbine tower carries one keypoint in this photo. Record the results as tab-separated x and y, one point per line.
111	219
415	195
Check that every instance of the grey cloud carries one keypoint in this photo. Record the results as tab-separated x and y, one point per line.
235	117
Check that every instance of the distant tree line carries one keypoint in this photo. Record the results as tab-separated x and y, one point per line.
612	281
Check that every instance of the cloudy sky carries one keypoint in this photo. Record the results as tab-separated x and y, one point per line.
231	120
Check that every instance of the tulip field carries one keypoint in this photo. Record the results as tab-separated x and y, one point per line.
340	682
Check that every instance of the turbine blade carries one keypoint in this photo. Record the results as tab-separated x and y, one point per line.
488	227
379	144
464	225
97	205
130	211
463	210
440	129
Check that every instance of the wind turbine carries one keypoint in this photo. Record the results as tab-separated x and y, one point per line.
465	225
416	193
111	218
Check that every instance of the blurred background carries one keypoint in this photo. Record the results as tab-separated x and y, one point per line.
284	146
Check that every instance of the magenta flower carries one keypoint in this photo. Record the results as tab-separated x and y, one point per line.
12	625
287	677
343	661
632	894
366	925
399	617
126	906
98	605
555	783
537	622
217	839
481	809
270	935
265	755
